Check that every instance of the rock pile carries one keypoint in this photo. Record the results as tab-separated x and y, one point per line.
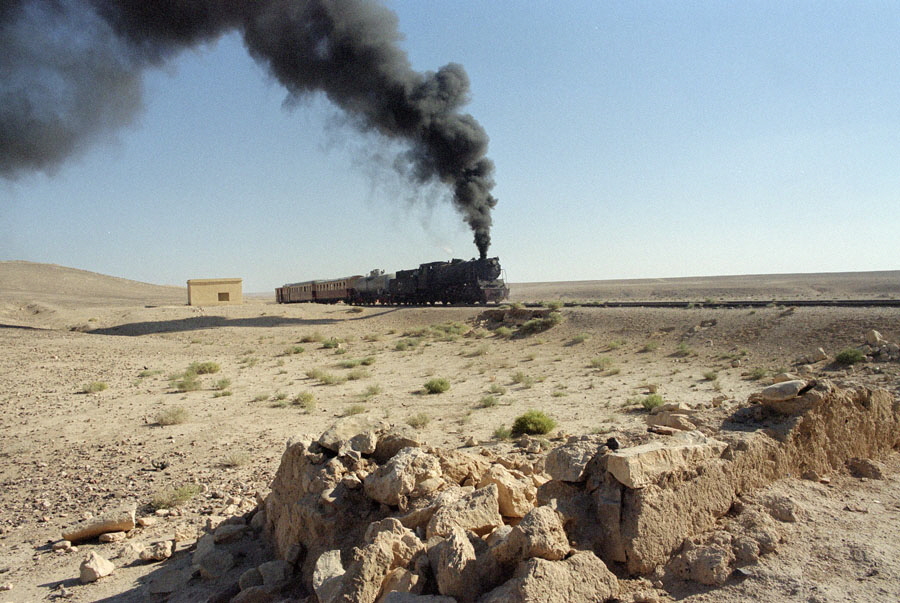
368	513
878	349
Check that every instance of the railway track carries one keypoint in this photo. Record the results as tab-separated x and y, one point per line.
749	303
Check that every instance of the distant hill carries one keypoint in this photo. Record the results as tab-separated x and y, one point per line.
22	281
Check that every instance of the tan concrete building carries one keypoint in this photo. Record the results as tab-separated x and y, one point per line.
215	291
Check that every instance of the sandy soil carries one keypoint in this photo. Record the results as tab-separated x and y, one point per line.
67	453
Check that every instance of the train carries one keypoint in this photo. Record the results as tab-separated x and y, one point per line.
477	281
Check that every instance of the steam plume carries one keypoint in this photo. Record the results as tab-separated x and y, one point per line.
71	72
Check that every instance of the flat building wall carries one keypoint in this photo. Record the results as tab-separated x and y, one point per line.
215	291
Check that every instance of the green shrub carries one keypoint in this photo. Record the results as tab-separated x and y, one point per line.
650	346
502	433
203	368
710	375
372	390
601	362
496	388
222	394
305	400
651	401
850	356
533	422
174	497
94	387
523	379
437	386
538	325
188	383
332	343
236	459
294	349
502	331
222	384
758	373
355	409
357	373
683	350
487	402
315	337
580	338
418	421
173	415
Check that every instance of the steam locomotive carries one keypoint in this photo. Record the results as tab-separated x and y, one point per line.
455	282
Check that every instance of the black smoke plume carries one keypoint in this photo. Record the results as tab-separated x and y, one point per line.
70	72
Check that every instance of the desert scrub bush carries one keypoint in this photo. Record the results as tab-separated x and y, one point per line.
488	402
533	422
650	346
260	397
649	402
354	409
539	325
222	384
502	332
174	497
496	388
481	350
173	415
305	400
294	349
332	343
601	363
522	378
355	362
437	386
203	368
758	373
418	421
93	387
357	374
222	394
369	392
188	383
149	373
324	377
684	350
710	375
580	338
279	396
314	337
559	393
249	361
236	459
407	343
615	344
502	433
849	356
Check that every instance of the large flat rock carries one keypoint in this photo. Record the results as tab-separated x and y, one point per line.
640	466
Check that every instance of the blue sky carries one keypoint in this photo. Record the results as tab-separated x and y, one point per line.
631	139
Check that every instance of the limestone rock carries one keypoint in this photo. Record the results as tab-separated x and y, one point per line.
581	577
215	563
453	562
566	463
539	534
515	495
401	475
403	542
819	355
229	533
158	551
707	564
874	338
327	576
861	467
275	573
784	390
116	520
368	568
782	377
478	512
400	580
112	537
95	567
399	597
352	433
640	466
676	420
169	580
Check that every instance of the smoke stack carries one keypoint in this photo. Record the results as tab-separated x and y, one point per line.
72	73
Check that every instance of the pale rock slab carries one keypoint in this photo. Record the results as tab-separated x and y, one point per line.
478	512
581	577
515	495
640	466
116	520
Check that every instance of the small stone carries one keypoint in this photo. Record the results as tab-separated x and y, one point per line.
275	573
819	355
62	545
867	468
112	537
146	522
785	390
215	563
95	567
736	363
229	533
873	337
158	551
7	586
471	441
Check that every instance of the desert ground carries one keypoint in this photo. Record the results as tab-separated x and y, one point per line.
97	411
